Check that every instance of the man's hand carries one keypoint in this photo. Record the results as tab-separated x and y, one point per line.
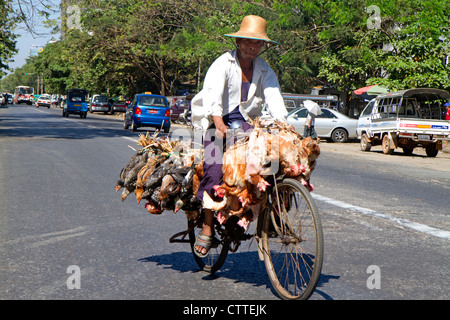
221	128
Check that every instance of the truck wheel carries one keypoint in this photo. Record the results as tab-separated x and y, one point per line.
365	143
408	150
431	150
386	145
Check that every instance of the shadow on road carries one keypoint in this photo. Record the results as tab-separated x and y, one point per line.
44	125
242	267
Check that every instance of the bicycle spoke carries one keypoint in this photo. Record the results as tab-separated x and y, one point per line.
295	261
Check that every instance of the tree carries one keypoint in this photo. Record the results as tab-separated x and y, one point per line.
125	46
405	47
419	46
7	37
134	37
22	76
53	65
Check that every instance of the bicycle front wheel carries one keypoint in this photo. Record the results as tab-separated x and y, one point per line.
217	254
292	240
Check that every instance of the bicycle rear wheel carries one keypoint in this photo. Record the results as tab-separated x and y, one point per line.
292	241
217	253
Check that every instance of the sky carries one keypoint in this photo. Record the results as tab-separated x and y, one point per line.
25	43
27	40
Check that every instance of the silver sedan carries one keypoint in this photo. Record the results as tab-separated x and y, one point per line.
330	124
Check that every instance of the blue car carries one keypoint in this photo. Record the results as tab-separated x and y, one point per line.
76	103
148	110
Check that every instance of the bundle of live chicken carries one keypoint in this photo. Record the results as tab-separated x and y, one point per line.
167	173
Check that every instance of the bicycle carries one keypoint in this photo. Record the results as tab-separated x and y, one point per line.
288	234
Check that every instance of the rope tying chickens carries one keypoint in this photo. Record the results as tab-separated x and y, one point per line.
167	173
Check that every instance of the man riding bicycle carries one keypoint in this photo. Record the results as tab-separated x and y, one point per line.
236	87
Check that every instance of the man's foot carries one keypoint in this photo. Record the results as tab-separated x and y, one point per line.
203	242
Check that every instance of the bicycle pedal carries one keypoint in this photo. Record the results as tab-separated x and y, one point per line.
215	243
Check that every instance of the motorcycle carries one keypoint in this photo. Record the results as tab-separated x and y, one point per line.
185	117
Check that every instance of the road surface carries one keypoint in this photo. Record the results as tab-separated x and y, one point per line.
65	234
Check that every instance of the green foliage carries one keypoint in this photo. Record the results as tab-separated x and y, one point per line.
7	37
126	46
407	49
23	76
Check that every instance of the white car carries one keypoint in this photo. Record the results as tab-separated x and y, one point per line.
331	124
44	100
99	103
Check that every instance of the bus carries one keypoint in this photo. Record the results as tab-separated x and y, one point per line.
23	94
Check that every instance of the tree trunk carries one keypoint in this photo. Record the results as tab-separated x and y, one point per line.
161	75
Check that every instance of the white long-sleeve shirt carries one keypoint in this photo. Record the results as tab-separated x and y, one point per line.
221	92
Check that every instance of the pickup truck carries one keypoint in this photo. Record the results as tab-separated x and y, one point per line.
405	119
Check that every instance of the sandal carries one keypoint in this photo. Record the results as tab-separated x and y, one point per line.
203	241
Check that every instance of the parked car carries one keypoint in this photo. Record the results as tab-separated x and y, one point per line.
9	98
148	110
99	103
45	100
178	108
331	124
118	104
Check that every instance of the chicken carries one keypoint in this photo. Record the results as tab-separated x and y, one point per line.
169	188
152	162
197	177
135	160
234	166
157	175
187	198
128	175
236	182
167	173
271	148
153	208
309	152
187	203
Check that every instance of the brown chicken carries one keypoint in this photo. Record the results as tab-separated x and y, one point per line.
272	148
309	152
143	175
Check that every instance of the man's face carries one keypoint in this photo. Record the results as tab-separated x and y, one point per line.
249	48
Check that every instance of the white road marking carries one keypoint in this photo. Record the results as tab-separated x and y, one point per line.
56	239
129	138
405	223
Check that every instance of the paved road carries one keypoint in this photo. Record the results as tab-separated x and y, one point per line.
385	223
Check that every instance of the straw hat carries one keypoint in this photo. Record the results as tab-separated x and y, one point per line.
252	27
